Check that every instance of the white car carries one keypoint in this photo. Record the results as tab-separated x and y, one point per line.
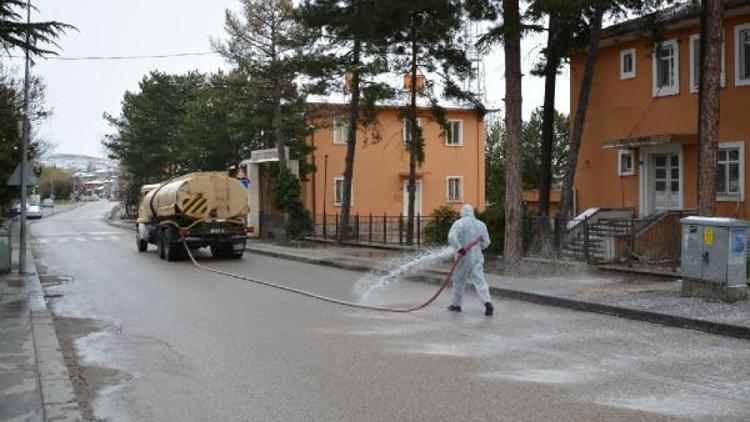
33	211
48	203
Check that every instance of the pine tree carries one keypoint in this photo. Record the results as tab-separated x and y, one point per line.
15	32
349	44
427	42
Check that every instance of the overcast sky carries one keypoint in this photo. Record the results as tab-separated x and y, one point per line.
80	91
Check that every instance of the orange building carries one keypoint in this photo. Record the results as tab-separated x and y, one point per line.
639	147
451	174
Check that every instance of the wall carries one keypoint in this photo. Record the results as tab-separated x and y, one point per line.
381	164
627	108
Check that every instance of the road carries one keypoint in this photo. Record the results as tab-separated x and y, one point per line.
160	341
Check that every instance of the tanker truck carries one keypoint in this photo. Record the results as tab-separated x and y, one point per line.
201	209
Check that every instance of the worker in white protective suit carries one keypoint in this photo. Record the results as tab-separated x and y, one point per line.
464	231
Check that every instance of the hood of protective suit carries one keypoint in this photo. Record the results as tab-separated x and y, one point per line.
467	211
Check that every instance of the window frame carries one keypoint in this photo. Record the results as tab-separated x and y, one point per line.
336	179
674	89
623	74
693	74
334	130
448	189
460	142
725	196
737	64
620	154
403	129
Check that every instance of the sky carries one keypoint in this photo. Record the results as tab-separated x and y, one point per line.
79	92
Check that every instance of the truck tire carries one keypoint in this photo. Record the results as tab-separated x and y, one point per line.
221	250
141	243
160	238
174	250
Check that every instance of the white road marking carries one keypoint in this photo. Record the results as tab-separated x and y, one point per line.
98	239
62	240
114	238
79	239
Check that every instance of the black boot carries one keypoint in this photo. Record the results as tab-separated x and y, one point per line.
488	309
454	308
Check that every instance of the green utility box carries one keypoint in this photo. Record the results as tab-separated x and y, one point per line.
5	249
714	258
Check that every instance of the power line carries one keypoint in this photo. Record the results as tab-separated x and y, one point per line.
138	57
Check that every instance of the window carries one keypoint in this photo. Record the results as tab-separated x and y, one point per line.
625	163
455	188
666	64
695	52
730	171
742	54
338	191
406	133
455	134
627	64
340	129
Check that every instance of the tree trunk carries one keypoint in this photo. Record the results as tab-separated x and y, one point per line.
548	115
708	97
513	246
351	143
278	134
566	202
413	144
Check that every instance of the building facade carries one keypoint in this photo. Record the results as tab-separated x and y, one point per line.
452	172
639	148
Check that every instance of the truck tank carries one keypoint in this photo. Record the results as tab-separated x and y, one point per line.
208	196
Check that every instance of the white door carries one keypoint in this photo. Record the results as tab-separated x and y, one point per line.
666	181
417	198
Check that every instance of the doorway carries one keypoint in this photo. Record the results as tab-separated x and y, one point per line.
417	198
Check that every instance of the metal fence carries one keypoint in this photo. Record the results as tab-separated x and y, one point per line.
371	228
632	241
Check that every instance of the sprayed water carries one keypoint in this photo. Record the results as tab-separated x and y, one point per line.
374	283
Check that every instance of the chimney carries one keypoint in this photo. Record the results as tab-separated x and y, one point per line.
420	83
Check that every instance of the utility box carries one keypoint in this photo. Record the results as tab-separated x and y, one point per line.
714	258
5	250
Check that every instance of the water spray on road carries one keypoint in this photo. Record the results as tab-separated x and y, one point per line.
374	283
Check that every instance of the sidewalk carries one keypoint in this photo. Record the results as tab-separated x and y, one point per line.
638	297
34	383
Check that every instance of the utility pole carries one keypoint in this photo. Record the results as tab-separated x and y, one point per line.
24	147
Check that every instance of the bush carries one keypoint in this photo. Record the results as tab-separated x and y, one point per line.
494	218
436	231
286	193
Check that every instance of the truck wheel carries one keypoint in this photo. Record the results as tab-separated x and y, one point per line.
160	240
142	244
221	251
174	250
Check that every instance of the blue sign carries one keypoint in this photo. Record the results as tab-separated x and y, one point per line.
245	182
739	241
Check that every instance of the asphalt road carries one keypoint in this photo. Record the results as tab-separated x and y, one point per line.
164	341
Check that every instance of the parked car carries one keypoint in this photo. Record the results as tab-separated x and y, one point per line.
48	203
33	211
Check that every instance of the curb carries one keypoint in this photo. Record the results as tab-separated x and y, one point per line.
542	299
59	401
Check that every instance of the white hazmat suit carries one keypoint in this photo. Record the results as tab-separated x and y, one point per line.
462	233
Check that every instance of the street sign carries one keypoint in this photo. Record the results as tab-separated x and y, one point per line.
245	182
15	178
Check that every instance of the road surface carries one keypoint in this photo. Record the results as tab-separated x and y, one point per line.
151	340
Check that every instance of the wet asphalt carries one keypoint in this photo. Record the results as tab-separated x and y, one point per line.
194	346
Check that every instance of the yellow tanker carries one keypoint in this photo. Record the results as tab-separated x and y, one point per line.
199	209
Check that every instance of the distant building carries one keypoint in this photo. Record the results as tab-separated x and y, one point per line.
451	174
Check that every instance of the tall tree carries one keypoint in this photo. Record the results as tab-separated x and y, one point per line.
15	32
595	14
350	39
427	43
712	19
265	40
513	247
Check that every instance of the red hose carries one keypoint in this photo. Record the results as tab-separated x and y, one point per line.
442	287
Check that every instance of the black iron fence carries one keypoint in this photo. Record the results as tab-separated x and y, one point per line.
372	228
632	241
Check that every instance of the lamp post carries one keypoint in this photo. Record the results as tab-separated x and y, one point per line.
24	149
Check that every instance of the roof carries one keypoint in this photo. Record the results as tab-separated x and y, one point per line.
667	17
